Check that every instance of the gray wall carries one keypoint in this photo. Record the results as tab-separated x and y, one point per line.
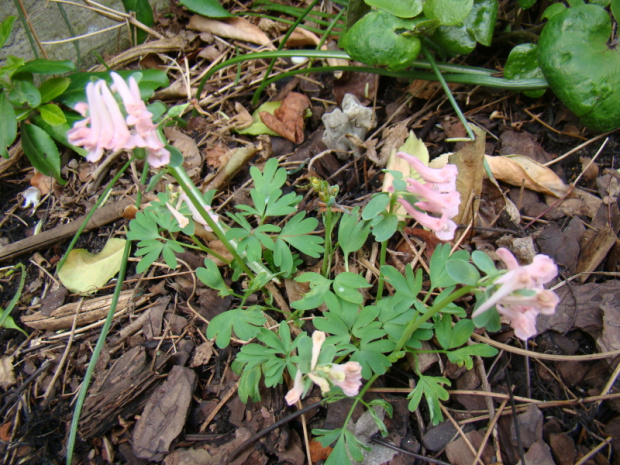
49	24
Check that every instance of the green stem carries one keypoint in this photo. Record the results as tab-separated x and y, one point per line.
460	76
200	246
16	296
329	226
92	211
197	200
75	420
382	259
448	93
415	324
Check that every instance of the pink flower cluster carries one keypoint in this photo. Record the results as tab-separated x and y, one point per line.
105	127
347	376
519	309
438	195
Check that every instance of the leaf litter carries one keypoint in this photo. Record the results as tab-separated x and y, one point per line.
160	379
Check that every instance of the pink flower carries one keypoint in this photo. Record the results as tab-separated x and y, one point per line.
444	178
107	131
347	377
437	195
105	127
522	309
296	392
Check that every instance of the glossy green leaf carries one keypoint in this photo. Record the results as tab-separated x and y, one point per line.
525	4
52	88
209	8
448	12
581	67
615	9
522	63
52	114
25	93
8	125
59	132
380	39
5	29
400	8
41	151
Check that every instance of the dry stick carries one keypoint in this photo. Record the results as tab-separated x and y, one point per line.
406	452
462	434
579	147
555	358
593	452
218	407
304	427
50	386
491	429
610	383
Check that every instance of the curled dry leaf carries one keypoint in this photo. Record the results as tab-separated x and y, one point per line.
41	182
288	120
7	376
231	28
519	170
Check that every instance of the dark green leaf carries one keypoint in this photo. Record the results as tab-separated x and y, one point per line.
249	384
209	8
52	88
448	12
43	66
5	29
525	4
352	234
522	63
463	356
144	14
41	151
400	8
8	125
432	389
24	92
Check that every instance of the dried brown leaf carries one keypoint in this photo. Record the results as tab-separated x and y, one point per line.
288	119
231	28
519	170
7	376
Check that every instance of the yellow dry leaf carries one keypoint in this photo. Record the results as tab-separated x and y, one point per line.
7	376
86	272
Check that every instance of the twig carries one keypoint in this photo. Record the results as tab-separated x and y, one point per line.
462	434
593	452
50	386
231	392
406	452
555	358
491	429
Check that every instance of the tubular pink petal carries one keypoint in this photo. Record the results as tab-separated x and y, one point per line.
446	175
297	390
508	258
318	338
347	377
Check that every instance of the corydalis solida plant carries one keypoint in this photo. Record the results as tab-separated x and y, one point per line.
105	127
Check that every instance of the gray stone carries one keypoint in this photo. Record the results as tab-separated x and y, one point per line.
48	22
